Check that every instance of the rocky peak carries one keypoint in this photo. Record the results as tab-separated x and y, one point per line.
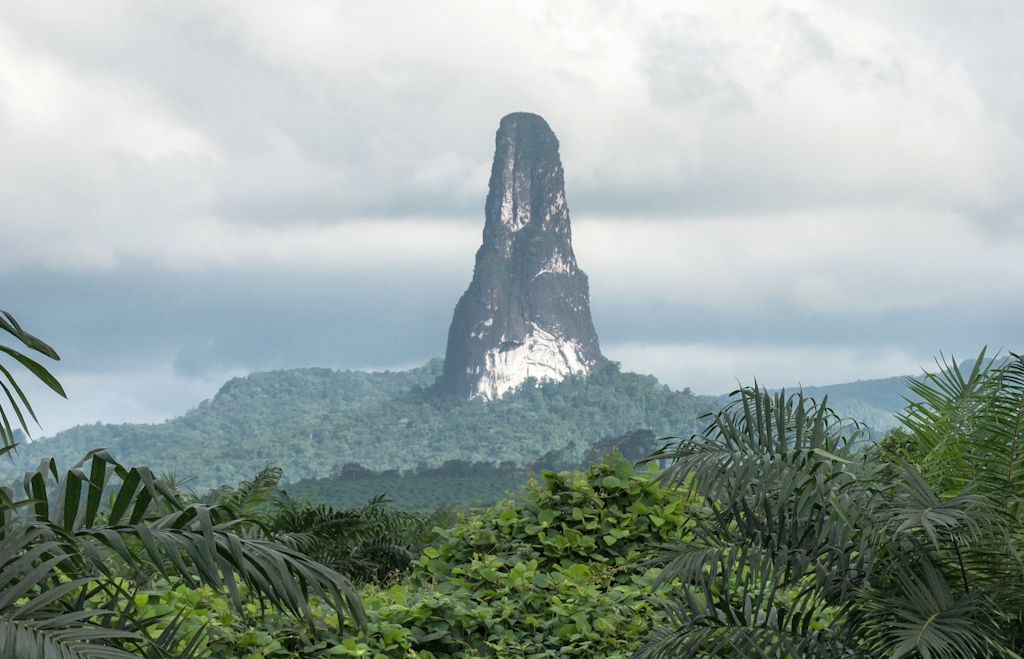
527	311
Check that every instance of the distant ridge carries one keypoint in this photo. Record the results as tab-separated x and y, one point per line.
873	402
885	394
876	402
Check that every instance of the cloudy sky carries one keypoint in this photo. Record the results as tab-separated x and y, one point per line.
809	192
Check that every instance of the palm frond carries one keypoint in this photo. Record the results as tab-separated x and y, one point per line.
787	498
945	415
917	506
757	430
9	386
366	544
911	549
926	619
39	618
27	640
255	499
700	629
197	542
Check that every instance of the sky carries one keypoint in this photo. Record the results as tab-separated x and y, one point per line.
798	192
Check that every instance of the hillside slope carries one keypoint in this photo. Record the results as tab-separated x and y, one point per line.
886	394
259	405
312	421
873	402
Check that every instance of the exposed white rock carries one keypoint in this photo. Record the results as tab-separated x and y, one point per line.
542	355
558	265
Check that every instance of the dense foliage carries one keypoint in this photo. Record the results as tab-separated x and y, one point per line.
776	536
311	421
773	533
557	572
211	440
367	543
456	483
460	483
81	541
813	549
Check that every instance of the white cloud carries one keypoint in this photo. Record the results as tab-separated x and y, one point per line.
452	173
295	112
198	245
854	261
53	112
319	112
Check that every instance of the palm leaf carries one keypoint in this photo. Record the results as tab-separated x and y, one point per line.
36	618
196	542
8	385
786	498
926	619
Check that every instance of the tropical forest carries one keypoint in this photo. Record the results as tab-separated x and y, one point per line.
776	527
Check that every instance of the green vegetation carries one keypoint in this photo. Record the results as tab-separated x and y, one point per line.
778	535
312	421
366	543
874	403
457	482
773	533
813	549
15	396
261	405
886	394
75	551
557	572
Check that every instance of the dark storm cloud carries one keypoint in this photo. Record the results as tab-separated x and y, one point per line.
215	321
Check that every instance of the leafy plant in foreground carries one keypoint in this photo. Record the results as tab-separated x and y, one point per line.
762	571
555	573
69	535
815	549
15	396
370	543
967	432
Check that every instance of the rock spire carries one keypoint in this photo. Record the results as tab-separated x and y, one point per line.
527	311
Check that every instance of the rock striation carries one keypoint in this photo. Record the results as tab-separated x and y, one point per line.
526	313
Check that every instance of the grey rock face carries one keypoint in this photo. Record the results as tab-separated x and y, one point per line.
527	311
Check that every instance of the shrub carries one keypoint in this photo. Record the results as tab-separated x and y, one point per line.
558	572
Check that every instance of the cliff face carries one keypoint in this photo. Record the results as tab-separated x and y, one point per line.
527	311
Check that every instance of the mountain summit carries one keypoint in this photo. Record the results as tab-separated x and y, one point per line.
527	311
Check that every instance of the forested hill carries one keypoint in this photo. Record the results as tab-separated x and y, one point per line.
886	394
873	402
312	421
259	405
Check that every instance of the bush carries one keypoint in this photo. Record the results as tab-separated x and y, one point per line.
558	572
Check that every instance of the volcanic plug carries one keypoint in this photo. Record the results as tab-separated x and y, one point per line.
527	311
